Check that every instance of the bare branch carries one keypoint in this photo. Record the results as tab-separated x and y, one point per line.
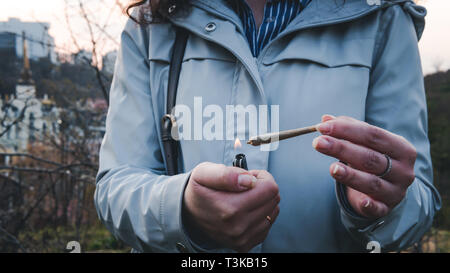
30	156
16	121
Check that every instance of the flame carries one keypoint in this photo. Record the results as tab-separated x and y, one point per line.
237	144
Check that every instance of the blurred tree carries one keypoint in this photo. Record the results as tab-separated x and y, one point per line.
438	96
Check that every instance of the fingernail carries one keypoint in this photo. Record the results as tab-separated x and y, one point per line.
338	171
367	203
254	180
329	117
321	143
324	128
246	181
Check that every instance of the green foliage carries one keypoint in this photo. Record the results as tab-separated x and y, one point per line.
102	239
436	241
54	240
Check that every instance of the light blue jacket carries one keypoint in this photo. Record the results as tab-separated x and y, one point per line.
352	59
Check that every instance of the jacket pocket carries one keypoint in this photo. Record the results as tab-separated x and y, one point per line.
196	49
321	73
323	50
200	49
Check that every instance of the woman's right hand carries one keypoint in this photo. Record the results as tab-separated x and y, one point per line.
230	205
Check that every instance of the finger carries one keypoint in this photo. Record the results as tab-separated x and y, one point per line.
360	157
367	135
273	215
264	223
222	178
258	213
261	174
252	238
259	231
245	225
375	187
373	209
263	191
365	205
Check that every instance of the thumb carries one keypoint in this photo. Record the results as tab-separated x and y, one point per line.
222	178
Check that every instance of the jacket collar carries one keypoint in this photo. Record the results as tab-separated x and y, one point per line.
317	13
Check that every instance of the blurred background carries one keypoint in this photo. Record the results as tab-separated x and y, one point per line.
56	64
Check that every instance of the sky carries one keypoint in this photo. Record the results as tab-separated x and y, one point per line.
434	46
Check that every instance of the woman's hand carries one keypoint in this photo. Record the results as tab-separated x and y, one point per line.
231	206
363	148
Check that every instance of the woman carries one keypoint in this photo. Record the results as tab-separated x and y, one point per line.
356	61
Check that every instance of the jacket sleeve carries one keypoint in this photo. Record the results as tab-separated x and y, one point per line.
133	197
396	102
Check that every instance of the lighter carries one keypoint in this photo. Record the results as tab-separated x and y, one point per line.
239	160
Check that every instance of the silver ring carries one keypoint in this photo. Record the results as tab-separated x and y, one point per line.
268	218
388	167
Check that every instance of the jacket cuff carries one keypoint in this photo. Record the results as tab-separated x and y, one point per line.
171	214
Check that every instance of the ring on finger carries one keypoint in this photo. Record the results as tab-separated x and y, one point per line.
268	218
388	167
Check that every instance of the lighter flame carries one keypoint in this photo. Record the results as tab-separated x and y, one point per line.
237	144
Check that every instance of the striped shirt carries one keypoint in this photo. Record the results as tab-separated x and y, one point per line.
277	15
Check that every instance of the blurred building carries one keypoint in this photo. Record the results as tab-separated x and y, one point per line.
8	65
40	43
24	117
7	43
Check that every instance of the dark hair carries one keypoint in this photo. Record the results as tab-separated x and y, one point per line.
155	11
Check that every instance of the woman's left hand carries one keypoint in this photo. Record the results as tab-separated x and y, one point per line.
365	148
